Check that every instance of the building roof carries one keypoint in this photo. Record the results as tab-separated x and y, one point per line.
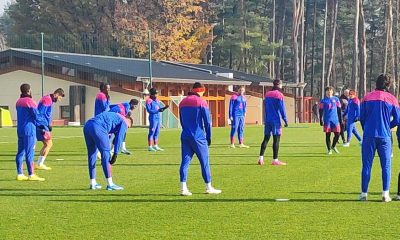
133	68
238	75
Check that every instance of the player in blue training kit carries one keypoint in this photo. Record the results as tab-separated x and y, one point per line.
96	132
195	137
237	115
28	118
274	110
379	112
45	108
331	118
153	107
352	114
124	109
102	102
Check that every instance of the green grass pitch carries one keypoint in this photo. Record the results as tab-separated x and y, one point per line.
322	191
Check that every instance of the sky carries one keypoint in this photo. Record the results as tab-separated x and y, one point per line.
3	4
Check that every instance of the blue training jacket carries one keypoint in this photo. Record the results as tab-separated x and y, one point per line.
45	108
237	106
111	123
101	104
28	117
330	109
195	118
152	107
353	110
274	108
121	108
377	110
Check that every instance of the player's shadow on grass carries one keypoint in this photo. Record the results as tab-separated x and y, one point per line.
339	193
203	200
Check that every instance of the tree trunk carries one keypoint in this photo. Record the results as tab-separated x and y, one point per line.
363	55
354	75
272	69
342	60
324	52
333	38
390	38
313	49
280	35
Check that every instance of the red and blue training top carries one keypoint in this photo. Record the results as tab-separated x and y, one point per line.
111	123
101	104
377	110
45	108
353	109
152	107
330	106
195	118
274	108
121	108
237	106
28	117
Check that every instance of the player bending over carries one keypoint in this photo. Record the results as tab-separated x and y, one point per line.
96	132
331	118
125	109
274	110
195	137
377	110
45	108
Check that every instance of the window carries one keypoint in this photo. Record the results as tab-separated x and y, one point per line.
100	78
5	107
68	71
65	112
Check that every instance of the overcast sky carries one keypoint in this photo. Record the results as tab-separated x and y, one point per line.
3	4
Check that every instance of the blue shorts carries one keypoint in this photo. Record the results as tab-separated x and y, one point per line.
272	128
42	137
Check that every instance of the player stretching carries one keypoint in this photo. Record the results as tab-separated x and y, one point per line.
377	110
195	137
102	102
274	109
96	132
28	118
353	115
154	108
237	115
124	109
331	118
45	108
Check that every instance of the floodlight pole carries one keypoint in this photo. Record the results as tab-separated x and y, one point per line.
150	63
42	55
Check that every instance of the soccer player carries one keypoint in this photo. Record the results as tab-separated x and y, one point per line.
195	137
344	101
96	132
331	118
237	114
378	113
274	110
28	118
153	107
102	102
124	109
352	114
45	108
